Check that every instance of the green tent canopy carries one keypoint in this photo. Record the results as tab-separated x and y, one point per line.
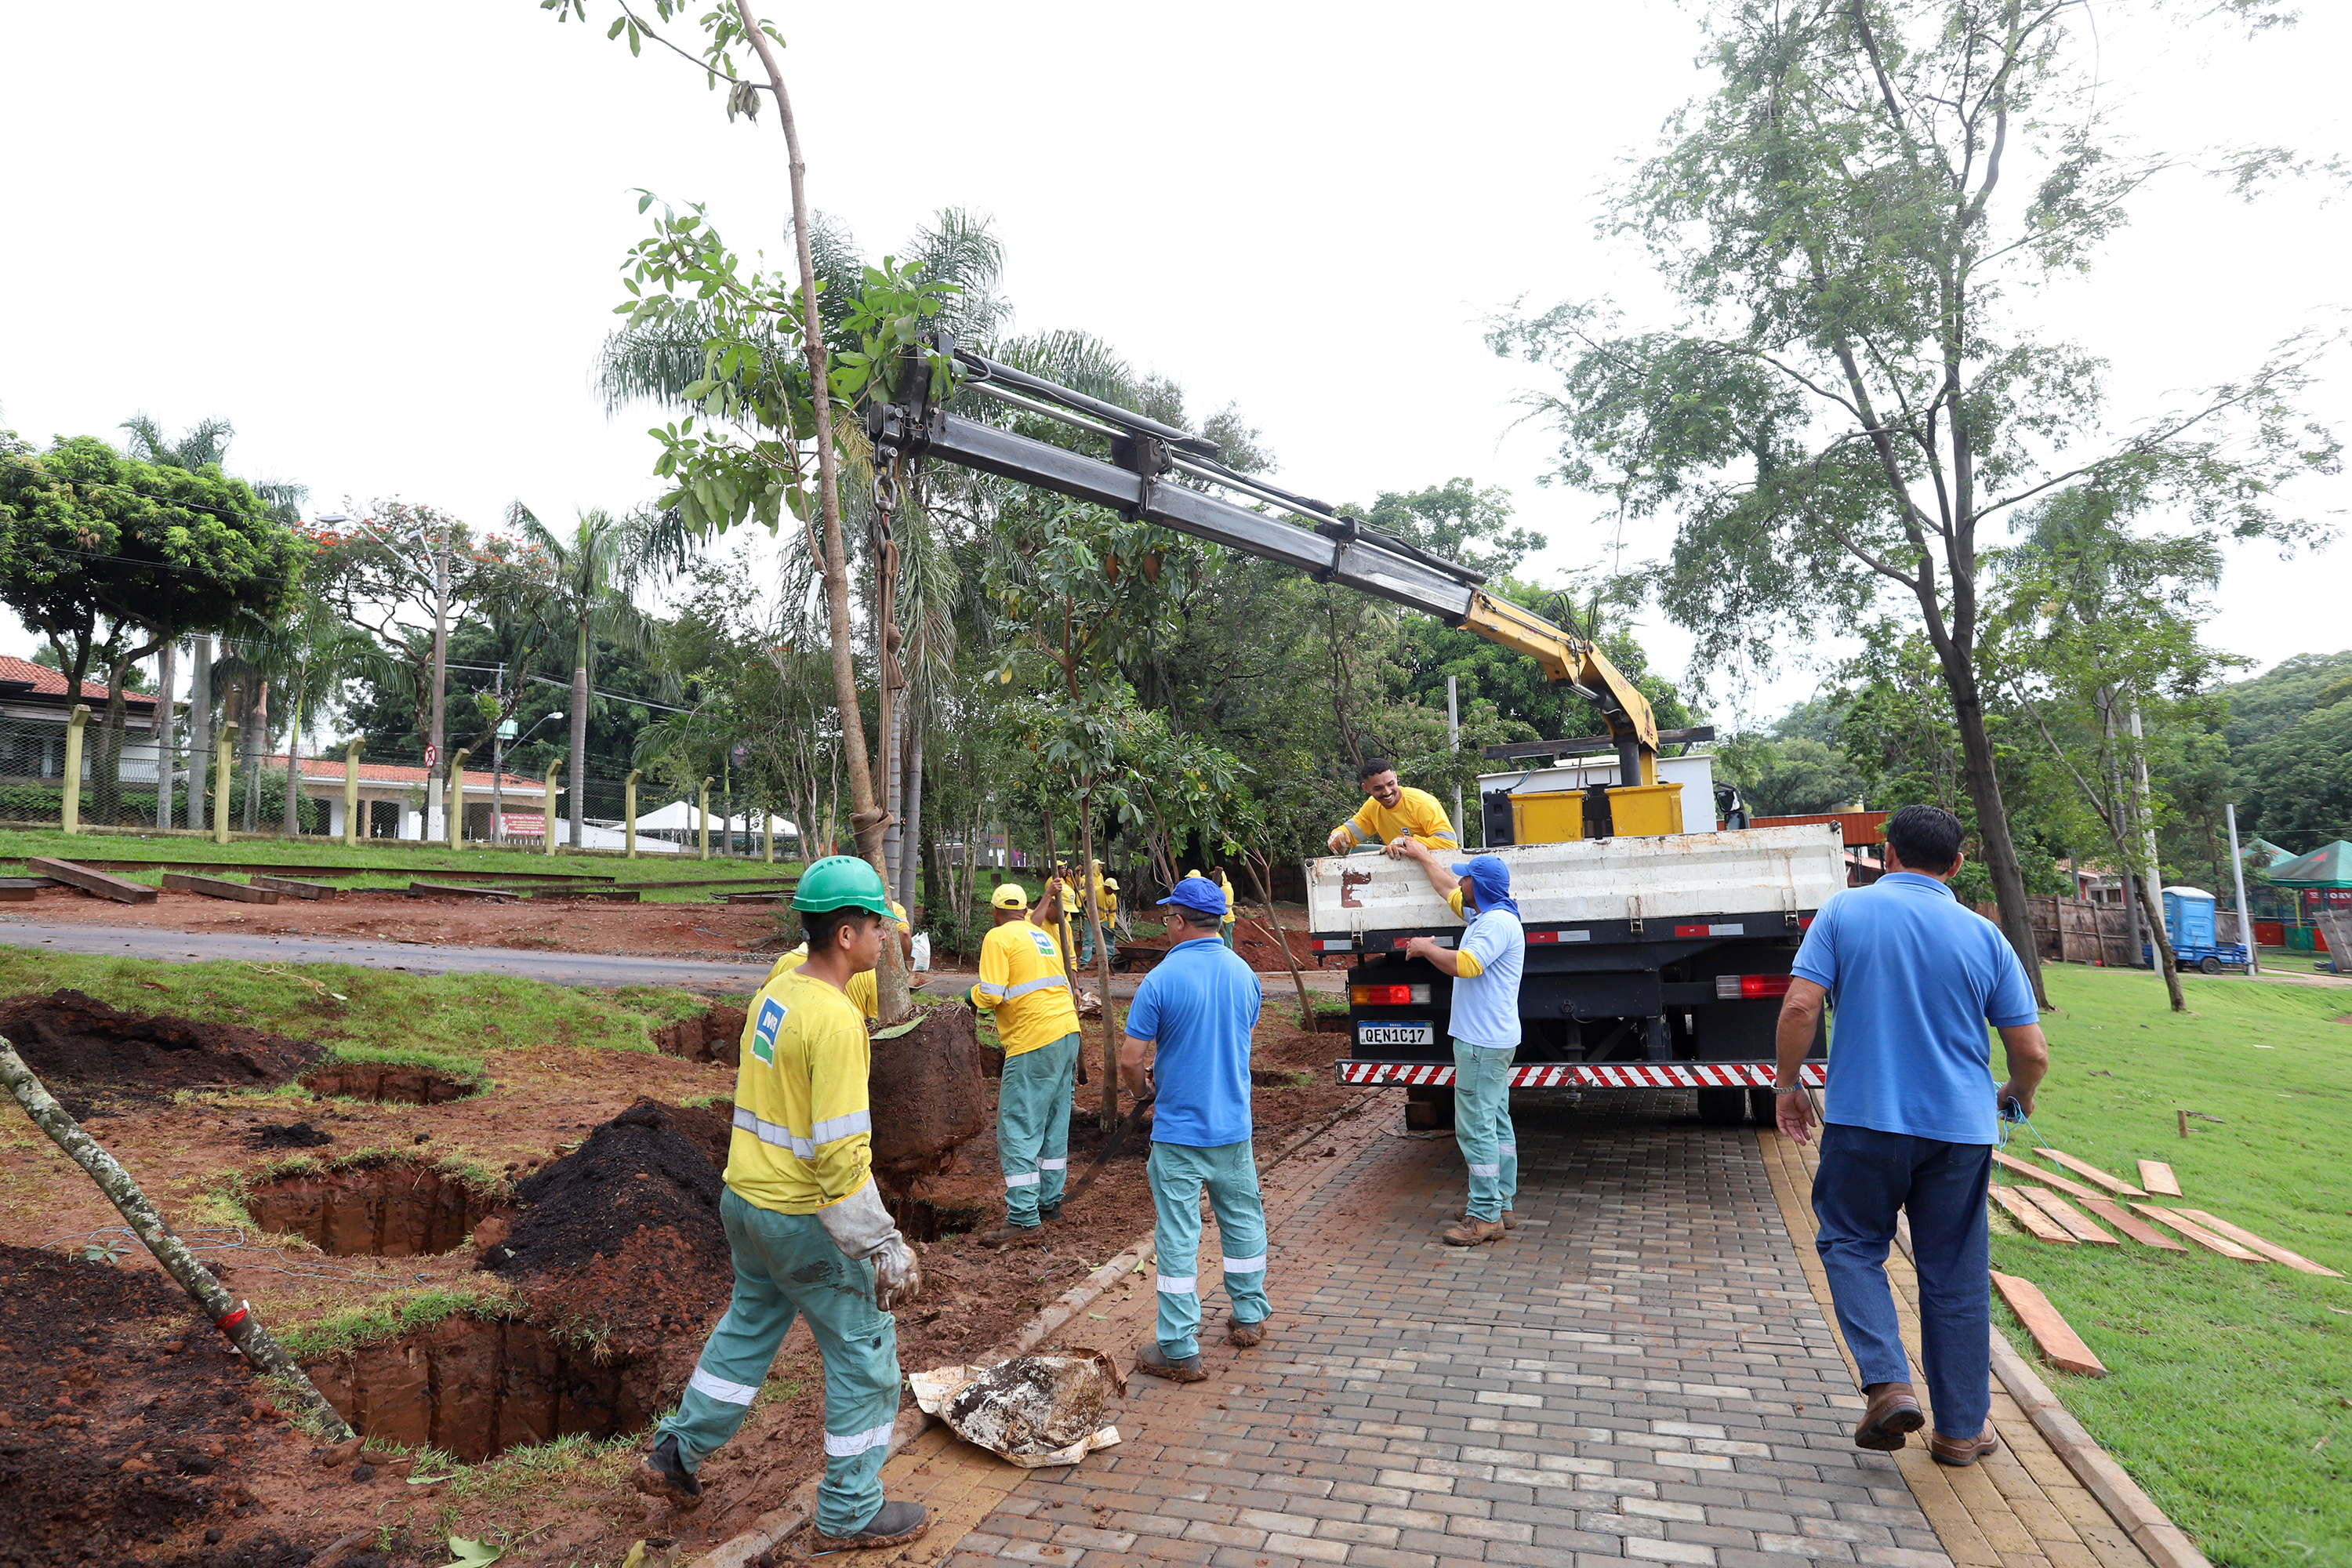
2330	865
2269	852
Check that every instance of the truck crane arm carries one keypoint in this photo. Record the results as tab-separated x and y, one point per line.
1331	548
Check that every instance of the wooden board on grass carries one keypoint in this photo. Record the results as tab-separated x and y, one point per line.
2158	1178
2089	1171
2199	1234
2269	1249
2139	1229
17	895
607	895
215	888
2068	1217
299	888
497	895
121	890
2060	1345
2072	1189
2040	1225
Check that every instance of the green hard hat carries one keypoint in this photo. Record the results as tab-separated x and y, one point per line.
841	882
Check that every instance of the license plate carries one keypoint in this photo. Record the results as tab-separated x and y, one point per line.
1396	1033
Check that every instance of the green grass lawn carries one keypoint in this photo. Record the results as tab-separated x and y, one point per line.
395	866
2230	1389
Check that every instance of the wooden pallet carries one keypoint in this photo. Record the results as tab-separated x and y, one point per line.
216	887
75	875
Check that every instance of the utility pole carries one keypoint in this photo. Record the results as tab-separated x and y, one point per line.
499	759
440	675
2238	875
199	728
1454	741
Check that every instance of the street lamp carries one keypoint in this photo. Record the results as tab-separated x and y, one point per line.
498	776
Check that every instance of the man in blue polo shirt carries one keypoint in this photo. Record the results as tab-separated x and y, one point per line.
1197	1006
1912	978
1486	965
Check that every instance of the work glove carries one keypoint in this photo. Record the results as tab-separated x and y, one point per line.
862	1228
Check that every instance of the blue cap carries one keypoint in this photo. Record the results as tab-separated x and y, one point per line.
1198	893
1490	881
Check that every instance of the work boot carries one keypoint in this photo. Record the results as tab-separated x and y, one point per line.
1244	1336
1150	1358
1050	1210
1470	1232
661	1473
1894	1411
1959	1451
892	1524
1511	1218
1010	1235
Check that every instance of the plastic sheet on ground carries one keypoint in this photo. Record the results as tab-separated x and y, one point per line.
1032	1410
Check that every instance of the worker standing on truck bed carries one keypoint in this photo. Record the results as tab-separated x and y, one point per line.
1913	976
807	1230
1485	967
1393	816
1194	1012
1025	981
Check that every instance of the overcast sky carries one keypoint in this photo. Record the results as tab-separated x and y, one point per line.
384	240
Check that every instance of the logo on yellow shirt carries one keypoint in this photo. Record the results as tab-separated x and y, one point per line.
763	1033
1044	944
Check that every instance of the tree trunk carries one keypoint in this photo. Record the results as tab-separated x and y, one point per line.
438	700
235	1320
2152	879
892	994
200	731
1262	868
166	730
1992	818
1102	967
579	758
910	837
292	820
257	726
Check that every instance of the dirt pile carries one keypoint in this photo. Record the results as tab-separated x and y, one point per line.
716	1037
91	1055
928	1096
122	1419
629	1222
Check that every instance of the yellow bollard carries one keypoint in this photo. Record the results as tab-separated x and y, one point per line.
553	768
704	811
457	808
351	794
630	807
223	762
69	817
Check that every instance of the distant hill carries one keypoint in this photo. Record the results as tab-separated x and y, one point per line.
2279	696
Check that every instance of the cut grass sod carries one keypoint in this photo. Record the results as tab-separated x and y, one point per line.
2230	1389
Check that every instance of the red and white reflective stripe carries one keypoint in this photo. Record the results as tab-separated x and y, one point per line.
1592	1074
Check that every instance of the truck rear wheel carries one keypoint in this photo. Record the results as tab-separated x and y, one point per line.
1761	1104
1428	1107
1723	1107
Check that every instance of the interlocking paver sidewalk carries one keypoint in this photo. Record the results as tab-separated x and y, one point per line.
1639	1372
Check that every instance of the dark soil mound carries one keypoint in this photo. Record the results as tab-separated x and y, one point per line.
627	1222
122	1419
80	1045
292	1135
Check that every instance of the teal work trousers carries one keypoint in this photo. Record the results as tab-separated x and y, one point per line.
1482	1126
1229	1172
1087	946
786	1266
1032	1128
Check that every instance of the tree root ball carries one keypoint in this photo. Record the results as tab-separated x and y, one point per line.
927	1092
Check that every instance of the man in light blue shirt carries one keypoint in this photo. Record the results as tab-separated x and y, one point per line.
1911	978
1486	966
1197	1006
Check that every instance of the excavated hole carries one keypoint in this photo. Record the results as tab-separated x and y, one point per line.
384	1085
919	1219
475	1389
382	1211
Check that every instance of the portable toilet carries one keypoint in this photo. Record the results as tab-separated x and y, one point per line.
2188	917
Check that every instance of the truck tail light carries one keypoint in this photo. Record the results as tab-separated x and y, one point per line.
1750	987
1343	944
1386	996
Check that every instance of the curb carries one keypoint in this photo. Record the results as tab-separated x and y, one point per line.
779	1525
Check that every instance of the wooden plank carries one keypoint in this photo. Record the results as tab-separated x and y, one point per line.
2041	1225
2056	1338
2139	1229
2269	1249
2199	1234
451	889
283	868
2089	1171
17	895
300	889
2068	1217
2035	1173
74	875
608	894
2158	1178
215	888
31	882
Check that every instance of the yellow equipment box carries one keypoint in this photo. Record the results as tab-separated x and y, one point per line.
1557	816
1638	810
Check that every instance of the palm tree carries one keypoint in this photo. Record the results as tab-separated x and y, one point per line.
306	657
591	572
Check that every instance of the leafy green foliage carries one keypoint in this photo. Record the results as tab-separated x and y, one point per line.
2298	783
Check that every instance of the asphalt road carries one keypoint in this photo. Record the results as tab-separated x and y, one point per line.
416	958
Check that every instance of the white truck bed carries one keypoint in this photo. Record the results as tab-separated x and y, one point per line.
1678	876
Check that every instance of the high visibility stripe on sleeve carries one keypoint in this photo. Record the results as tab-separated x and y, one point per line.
847	1126
1044	982
1355	835
1447	836
1178	1284
1061	1165
774	1133
719	1388
993	993
1245	1265
847	1445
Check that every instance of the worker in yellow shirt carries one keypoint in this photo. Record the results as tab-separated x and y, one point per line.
1392	813
1225	927
1106	890
860	989
807	1229
1023	980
